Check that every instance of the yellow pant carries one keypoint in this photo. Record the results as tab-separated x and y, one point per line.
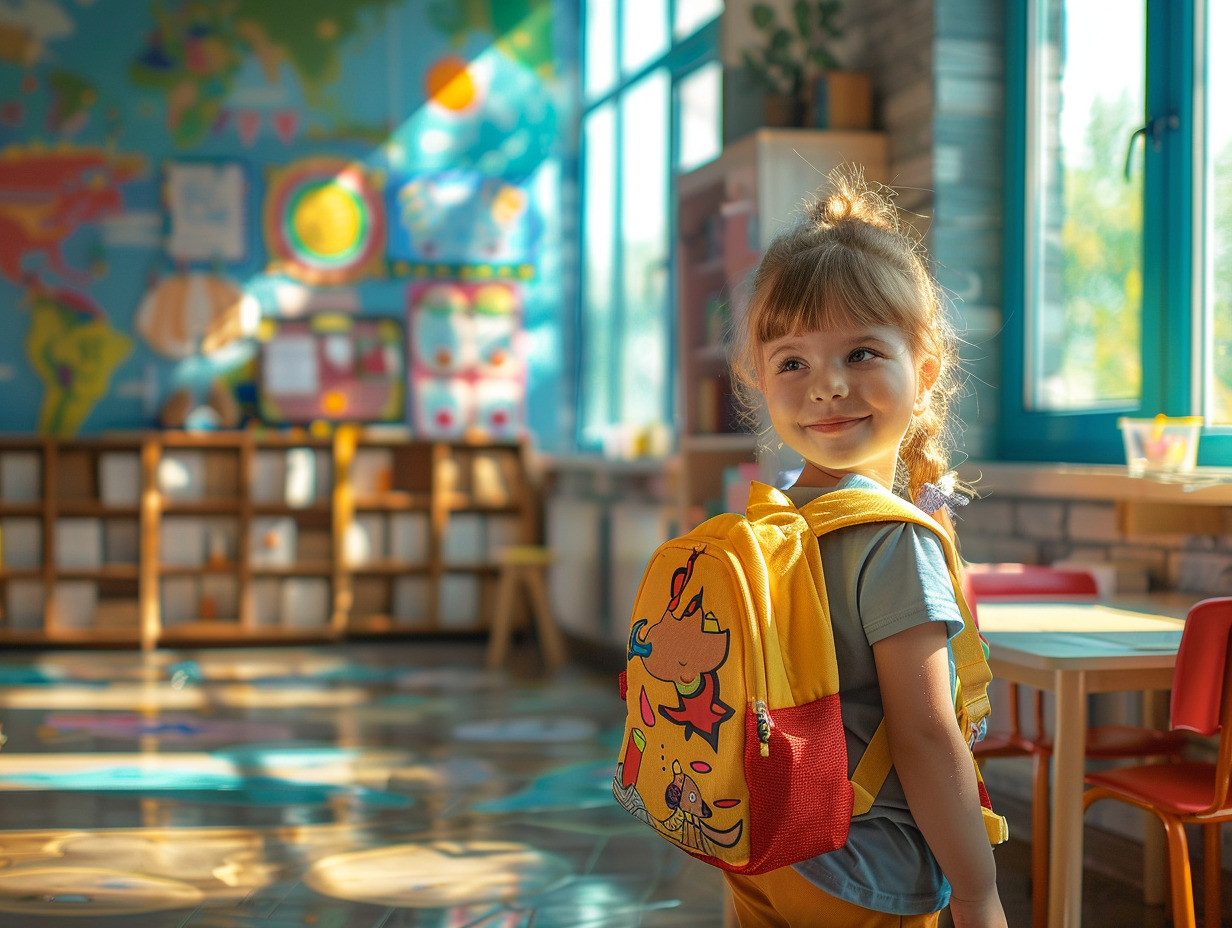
784	899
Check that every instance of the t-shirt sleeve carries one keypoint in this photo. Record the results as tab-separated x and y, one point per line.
904	582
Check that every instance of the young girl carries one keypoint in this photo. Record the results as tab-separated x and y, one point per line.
846	342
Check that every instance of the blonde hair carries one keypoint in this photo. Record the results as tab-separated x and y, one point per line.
851	260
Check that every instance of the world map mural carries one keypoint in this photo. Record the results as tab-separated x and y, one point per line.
101	104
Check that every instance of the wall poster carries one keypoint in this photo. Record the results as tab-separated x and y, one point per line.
333	368
206	211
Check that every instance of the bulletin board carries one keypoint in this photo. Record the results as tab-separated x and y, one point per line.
332	368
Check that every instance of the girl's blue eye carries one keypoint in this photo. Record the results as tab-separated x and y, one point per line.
861	354
789	364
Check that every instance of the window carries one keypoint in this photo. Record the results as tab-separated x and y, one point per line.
652	85
1119	225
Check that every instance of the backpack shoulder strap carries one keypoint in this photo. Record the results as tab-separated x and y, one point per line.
843	508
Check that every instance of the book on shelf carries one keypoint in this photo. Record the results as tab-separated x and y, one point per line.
716	409
21	478
706	405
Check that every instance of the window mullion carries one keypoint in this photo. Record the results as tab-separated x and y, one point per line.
1169	289
615	404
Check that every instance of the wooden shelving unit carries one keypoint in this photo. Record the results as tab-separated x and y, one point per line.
424	523
728	211
176	538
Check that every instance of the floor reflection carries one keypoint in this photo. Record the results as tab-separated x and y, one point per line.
390	785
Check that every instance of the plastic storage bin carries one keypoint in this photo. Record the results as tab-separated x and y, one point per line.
1165	444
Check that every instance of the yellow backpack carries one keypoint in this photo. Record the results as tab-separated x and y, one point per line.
734	747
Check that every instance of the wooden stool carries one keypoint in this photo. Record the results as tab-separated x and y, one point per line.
524	564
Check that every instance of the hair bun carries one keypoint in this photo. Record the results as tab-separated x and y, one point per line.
847	197
831	209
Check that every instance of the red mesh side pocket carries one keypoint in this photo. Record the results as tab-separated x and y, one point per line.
800	798
985	799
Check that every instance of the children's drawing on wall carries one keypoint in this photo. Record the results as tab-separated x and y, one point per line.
196	52
74	350
467	374
324	222
47	195
450	222
332	368
194	313
206	214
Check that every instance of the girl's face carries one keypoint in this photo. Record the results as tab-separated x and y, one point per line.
843	399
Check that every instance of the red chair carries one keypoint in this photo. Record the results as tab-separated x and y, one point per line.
1031	583
1188	792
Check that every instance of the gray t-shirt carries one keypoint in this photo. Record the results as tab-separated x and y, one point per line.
881	578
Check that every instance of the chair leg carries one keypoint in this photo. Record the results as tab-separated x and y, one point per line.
1179	873
1040	806
502	620
1214	874
550	638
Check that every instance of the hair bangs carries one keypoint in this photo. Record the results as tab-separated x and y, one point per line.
834	287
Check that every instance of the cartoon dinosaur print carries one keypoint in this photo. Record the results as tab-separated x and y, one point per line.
687	823
686	650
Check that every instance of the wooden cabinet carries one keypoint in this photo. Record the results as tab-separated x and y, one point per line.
728	211
177	538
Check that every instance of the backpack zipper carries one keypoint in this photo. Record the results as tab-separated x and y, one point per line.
763	726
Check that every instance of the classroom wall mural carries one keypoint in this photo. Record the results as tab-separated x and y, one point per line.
188	188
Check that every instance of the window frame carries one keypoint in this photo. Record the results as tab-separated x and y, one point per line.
681	59
1172	269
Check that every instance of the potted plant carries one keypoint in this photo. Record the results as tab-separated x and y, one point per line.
799	75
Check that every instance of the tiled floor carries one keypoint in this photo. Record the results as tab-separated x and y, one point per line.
358	786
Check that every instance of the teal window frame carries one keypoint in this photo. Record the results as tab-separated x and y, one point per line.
1171	272
682	57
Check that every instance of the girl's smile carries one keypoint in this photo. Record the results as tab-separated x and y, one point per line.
830	426
843	398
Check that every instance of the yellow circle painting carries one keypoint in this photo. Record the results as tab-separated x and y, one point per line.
327	220
450	84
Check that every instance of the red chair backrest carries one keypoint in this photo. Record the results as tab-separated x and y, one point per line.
1028	581
1198	681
